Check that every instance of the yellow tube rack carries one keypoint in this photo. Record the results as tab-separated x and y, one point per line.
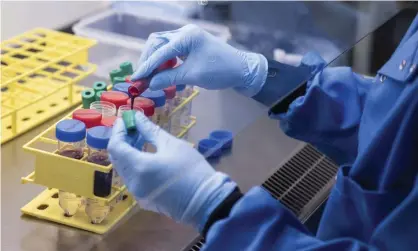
38	71
76	176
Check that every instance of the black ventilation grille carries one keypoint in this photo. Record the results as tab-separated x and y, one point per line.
296	182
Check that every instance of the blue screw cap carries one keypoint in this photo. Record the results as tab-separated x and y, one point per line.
98	137
121	87
180	88
225	137
70	130
210	148
157	96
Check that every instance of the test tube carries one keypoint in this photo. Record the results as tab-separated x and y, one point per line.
160	112
127	107
146	104
107	109
180	118
70	134
97	141
170	94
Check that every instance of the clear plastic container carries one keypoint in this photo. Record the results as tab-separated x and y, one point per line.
107	109
122	35
146	104
185	121
123	108
161	113
70	134
97	141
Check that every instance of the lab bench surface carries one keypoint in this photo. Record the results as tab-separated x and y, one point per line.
258	150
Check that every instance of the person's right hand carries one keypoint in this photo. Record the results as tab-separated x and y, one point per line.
208	62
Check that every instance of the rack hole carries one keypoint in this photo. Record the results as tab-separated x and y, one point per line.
21	81
19	56
28	40
67	215
43	206
42	60
55	196
4	52
34	50
124	197
39	111
25	119
69	74
53	105
14	45
50	69
65	98
9	127
4	89
4	63
39	34
84	68
78	91
43	44
64	63
36	75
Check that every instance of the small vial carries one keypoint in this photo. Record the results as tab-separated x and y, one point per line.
107	109
70	134
123	108
177	120
146	104
160	112
170	94
97	141
188	91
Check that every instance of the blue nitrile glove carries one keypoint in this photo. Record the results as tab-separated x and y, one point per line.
175	181
208	62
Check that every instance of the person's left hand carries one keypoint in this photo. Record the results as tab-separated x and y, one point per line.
176	180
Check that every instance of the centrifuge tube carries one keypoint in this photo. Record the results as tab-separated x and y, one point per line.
160	112
70	134
97	141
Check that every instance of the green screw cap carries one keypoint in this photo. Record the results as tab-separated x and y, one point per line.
115	73
98	94
99	86
129	119
126	68
87	97
118	80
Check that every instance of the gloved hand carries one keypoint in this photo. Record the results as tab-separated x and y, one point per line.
175	181
208	62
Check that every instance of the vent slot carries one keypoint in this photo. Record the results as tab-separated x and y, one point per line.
296	182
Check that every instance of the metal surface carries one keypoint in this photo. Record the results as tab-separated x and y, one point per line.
258	150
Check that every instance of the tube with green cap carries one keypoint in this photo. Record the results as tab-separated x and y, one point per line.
126	68
87	97
99	86
115	73
98	94
118	80
129	120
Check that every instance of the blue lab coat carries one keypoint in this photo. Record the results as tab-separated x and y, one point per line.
370	127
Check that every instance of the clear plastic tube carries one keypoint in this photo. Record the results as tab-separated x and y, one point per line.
107	109
97	140
70	202
123	108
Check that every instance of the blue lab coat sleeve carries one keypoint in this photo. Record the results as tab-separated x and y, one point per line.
329	113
